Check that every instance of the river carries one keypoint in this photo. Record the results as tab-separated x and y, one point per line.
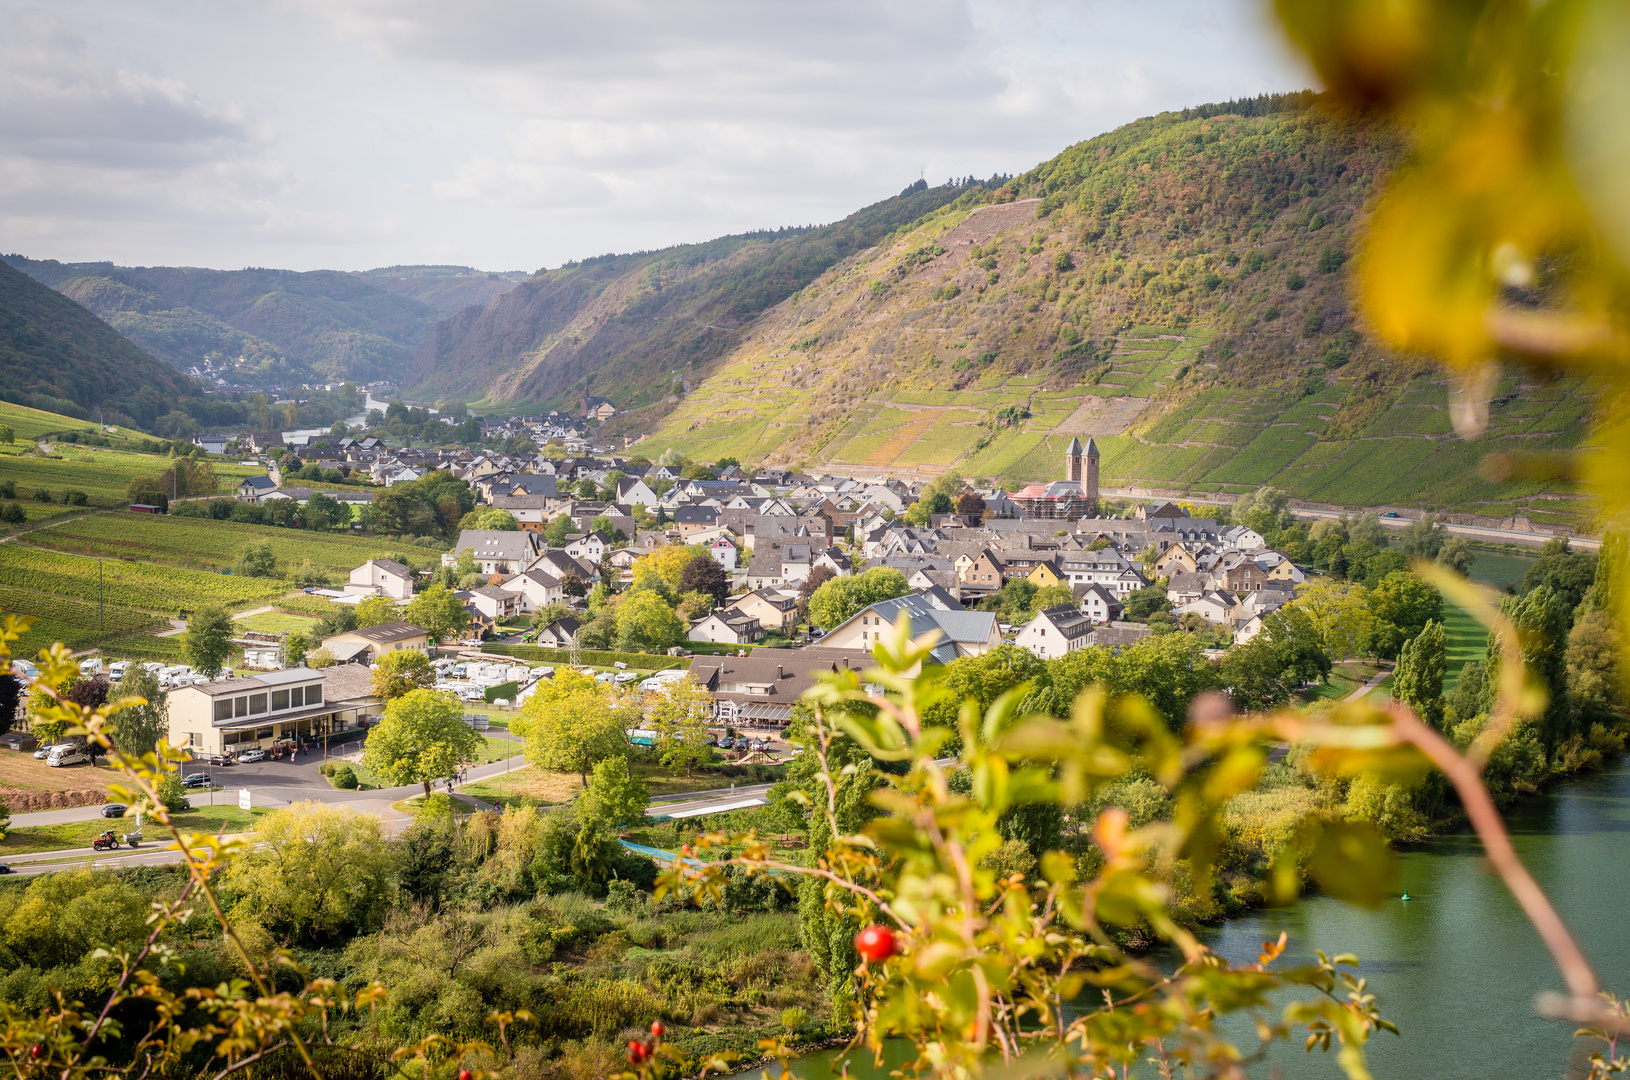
1457	966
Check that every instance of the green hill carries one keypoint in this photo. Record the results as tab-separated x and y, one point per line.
287	325
1176	288
57	356
631	327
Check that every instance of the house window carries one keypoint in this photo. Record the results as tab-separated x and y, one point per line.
257	703
240	706
194	739
280	700
314	695
223	709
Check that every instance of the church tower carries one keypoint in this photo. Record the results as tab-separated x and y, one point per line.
1089	480
1073	468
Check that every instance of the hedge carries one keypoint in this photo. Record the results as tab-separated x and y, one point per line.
505	690
538	654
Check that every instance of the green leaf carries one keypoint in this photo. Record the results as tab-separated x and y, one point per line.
1351	862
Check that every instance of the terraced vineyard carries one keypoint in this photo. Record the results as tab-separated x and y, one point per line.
204	544
142	586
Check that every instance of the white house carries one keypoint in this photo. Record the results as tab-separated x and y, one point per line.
1214	607
635	492
590	546
382	577
537	589
725	553
728	627
1055	632
1242	538
1100	605
496	603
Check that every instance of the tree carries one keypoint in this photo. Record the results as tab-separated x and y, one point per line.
207	642
1367	530
667	564
11	696
401	672
1569	574
295	648
818	576
1402	605
314	871
138	728
571	726
7	435
13	514
645	623
321	658
422	737
704	574
1338	612
1594	671
438	611
490	517
558	529
613	796
841	598
1418	679
970	504
377	611
1456	553
258	560
1424	538
679	714
1142	603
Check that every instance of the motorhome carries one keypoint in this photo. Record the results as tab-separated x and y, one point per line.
67	755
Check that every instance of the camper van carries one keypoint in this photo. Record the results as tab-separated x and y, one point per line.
67	755
93	666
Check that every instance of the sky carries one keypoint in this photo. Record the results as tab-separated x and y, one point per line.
519	134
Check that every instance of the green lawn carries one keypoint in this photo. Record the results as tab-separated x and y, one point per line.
79	834
1465	639
277	622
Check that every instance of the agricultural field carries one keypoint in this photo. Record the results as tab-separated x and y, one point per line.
277	622
204	544
101	474
30	424
142	586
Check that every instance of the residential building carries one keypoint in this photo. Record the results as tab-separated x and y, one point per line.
760	690
255	488
960	633
983	573
368	644
537	589
496	603
1099	604
382	577
1055	632
496	551
727	626
775	609
559	634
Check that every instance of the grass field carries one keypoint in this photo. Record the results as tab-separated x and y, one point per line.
530	787
79	834
277	622
204	544
101	474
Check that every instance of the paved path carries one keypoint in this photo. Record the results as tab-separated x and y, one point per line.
1376	680
177	626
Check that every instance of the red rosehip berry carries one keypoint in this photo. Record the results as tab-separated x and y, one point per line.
684	849
658	1029
875	944
36	1051
464	1074
638	1052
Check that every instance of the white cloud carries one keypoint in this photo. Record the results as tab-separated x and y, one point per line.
512	133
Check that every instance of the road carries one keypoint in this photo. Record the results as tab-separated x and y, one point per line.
278	784
1474	532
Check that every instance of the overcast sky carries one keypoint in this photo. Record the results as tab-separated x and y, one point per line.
508	134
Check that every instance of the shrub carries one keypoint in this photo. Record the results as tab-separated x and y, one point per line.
344	776
1295	280
504	690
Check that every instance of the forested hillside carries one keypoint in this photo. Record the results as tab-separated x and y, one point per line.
57	356
1176	288
632	327
286	325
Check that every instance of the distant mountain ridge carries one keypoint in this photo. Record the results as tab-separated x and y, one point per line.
58	356
288	325
632	327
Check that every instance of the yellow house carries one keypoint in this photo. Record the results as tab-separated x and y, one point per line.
369	643
230	716
1175	559
1045	574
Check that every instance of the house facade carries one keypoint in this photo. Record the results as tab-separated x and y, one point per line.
232	715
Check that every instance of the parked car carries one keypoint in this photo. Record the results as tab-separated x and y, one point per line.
254	753
196	779
43	752
5	868
727	743
114	809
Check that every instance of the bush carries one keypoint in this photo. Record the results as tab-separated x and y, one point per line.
504	690
343	776
327	768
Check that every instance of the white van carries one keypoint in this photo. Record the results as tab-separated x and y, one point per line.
67	755
93	666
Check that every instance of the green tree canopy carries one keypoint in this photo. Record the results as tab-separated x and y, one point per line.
613	795
842	597
422	737
572	724
438	611
207	642
1418	679
645	623
401	672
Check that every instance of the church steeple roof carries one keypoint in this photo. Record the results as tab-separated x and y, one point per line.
1074	449
1092	447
